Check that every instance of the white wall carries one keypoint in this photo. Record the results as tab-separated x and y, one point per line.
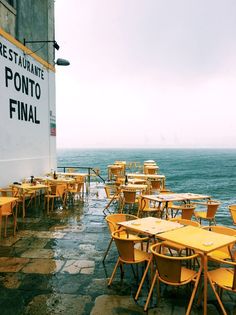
26	146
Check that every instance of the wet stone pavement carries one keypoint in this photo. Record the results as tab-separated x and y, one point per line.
54	266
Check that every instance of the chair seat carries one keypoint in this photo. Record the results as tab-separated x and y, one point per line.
201	214
139	255
222	277
187	274
219	254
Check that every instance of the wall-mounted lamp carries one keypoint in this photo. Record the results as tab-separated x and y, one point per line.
55	44
62	62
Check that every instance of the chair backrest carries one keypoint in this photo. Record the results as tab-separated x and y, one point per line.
222	230
7	208
113	219
125	245
110	190
169	267
143	203
187	211
129	196
155	184
186	222
212	207
60	189
232	209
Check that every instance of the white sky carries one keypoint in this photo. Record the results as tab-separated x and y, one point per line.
146	73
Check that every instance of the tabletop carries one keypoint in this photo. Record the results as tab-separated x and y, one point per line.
175	197
150	225
72	174
146	176
137	187
197	238
30	186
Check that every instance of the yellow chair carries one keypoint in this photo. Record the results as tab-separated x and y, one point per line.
232	209
75	190
112	220
187	210
223	252
155	185
112	194
128	198
223	278
6	211
55	191
172	270
146	208
129	254
211	207
24	197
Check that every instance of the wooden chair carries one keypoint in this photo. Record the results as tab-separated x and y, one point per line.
223	278
226	251
209	211
172	270
129	254
232	209
7	210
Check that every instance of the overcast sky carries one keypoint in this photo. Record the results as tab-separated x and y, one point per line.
146	73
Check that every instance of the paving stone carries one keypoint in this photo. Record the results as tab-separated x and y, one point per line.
12	264
77	266
43	266
55	304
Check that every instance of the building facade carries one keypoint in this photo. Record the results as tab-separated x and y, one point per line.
27	89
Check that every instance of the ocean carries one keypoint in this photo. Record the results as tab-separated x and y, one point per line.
203	171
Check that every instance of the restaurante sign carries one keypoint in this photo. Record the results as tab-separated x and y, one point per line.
25	83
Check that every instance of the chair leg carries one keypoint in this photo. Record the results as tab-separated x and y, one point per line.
0	225
107	250
15	221
218	298
114	271
193	293
150	291
5	226
142	280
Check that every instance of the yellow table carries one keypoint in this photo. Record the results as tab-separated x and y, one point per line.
201	240
136	187
24	187
150	226
187	197
148	176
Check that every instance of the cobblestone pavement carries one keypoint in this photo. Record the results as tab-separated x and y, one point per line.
54	266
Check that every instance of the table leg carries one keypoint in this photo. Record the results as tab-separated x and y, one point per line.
205	270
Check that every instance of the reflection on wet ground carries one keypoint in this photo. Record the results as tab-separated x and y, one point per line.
54	266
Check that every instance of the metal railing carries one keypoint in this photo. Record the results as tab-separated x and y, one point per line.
91	171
